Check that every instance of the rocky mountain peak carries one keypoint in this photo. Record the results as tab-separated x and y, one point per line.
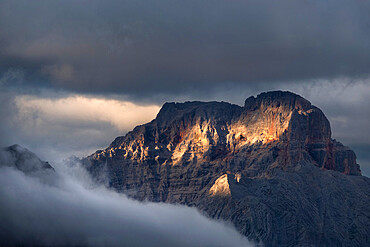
195	132
285	99
195	111
23	160
270	167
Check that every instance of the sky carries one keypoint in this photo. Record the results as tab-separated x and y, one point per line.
74	74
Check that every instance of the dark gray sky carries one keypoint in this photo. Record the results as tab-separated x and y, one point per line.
75	74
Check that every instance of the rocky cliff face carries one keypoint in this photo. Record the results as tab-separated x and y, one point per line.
269	167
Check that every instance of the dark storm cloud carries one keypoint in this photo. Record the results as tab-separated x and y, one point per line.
143	47
72	211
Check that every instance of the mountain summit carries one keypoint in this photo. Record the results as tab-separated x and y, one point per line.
22	159
270	167
195	132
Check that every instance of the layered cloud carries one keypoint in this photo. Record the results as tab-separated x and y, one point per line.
145	48
69	124
84	111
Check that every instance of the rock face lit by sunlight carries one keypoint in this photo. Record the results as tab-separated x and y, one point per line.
221	186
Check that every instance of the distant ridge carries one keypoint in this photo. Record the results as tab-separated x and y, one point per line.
23	160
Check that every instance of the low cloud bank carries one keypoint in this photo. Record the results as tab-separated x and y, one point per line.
59	124
73	211
80	110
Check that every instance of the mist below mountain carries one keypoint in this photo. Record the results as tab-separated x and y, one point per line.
65	207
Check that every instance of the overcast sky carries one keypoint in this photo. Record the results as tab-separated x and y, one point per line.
74	74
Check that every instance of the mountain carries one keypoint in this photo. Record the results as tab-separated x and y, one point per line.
24	160
270	167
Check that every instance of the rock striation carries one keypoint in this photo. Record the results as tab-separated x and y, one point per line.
270	167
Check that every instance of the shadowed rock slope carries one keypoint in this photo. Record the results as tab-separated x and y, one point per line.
270	167
24	160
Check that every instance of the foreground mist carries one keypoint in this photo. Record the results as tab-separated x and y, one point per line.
65	208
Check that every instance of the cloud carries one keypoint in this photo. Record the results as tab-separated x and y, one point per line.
172	47
83	110
75	212
58	125
62	72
